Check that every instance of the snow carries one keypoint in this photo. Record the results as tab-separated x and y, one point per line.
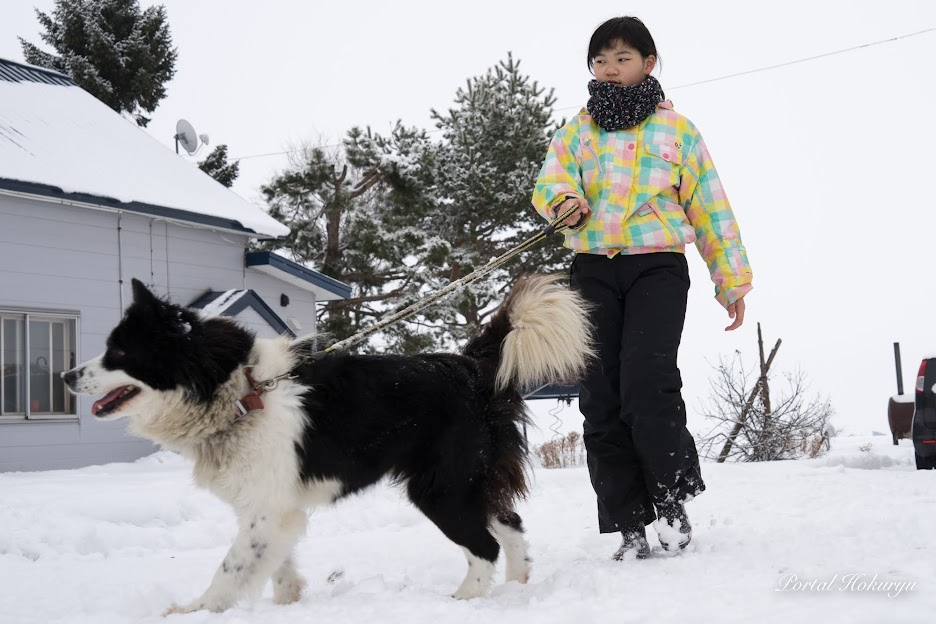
64	137
223	302
808	540
904	398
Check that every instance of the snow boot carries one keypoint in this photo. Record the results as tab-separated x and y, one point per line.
672	527
634	541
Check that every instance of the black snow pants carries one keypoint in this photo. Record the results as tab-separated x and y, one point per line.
640	454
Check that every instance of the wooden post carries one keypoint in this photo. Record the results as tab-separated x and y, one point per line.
764	386
761	383
899	368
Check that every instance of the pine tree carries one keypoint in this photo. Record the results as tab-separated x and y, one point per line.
216	165
401	216
495	139
406	162
118	53
340	225
472	189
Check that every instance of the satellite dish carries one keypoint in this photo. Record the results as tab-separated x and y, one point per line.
185	135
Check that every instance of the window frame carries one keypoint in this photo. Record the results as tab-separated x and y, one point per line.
25	316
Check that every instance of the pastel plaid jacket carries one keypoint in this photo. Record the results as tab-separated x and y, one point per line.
650	188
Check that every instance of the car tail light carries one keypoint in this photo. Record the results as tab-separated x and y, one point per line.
920	376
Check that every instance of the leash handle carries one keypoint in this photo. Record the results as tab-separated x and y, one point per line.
557	225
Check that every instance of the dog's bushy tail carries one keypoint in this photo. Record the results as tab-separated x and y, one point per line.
541	335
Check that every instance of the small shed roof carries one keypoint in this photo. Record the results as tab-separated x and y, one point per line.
233	302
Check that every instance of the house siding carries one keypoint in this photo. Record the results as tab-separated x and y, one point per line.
301	302
254	322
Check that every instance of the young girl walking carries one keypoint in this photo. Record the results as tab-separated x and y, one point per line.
644	186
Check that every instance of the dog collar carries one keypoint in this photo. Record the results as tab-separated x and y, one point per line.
252	401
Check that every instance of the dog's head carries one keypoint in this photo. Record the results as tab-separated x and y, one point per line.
160	348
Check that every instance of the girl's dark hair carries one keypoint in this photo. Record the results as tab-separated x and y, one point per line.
629	30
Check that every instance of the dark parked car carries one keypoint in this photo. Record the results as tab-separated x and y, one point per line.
924	416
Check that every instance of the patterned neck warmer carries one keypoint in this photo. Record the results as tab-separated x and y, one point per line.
616	108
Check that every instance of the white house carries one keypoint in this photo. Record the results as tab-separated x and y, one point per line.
88	201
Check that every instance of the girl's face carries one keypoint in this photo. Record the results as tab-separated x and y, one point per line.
622	65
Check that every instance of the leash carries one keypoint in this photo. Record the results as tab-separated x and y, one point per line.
252	400
555	226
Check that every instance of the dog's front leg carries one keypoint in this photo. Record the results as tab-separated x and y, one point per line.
263	545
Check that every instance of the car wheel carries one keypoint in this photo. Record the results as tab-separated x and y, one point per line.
925	463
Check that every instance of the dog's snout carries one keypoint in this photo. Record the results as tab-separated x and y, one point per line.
71	376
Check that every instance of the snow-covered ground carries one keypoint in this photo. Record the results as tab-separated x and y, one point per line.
119	543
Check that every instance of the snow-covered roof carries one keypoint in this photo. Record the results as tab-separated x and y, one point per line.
58	140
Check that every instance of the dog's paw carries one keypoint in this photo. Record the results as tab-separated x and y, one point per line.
189	608
196	605
288	592
468	593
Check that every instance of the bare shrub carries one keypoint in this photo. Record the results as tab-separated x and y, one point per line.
787	426
562	452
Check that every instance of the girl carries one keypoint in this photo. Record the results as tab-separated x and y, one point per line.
644	186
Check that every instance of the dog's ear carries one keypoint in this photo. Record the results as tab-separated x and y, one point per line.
140	293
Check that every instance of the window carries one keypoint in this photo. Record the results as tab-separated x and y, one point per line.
34	350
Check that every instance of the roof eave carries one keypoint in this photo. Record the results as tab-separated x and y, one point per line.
324	287
48	193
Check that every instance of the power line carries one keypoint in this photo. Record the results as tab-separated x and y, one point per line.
275	153
691	84
802	60
299	149
809	58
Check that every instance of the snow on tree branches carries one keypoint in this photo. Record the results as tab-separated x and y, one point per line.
403	215
121	55
217	165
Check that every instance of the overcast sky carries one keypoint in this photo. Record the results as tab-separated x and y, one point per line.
828	163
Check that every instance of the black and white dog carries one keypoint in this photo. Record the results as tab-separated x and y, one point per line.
273	432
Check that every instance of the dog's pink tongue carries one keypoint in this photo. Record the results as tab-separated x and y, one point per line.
113	394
